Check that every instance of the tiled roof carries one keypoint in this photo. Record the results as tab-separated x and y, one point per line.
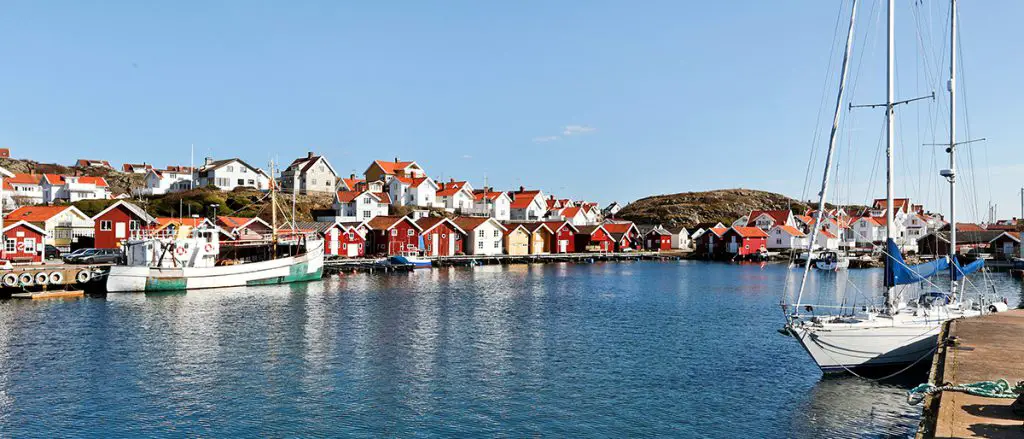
412	182
60	180
450	188
478	195
382	198
555	226
24	179
522	199
350	183
472	222
780	216
386	222
233	222
826	233
35	213
618	227
791	230
718	230
570	212
390	167
750	232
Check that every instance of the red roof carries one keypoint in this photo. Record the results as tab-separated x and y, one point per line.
901	203
413	182
349	196
780	216
232	222
478	195
24	179
390	167
826	233
387	222
718	230
350	183
570	212
429	222
35	214
451	188
194	222
555	226
750	232
522	199
59	180
618	227
791	230
472	222
382	198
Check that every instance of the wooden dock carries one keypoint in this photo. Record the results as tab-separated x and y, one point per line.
336	265
986	348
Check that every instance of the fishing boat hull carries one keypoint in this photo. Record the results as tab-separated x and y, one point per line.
841	264
841	350
414	262
301	268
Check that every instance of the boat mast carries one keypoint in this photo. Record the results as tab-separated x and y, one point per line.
890	300
952	148
273	207
828	157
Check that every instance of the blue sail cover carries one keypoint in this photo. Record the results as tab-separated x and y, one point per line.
897	272
964	270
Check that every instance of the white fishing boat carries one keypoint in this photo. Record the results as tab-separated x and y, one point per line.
193	258
831	261
898	333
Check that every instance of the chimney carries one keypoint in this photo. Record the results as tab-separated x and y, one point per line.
521	189
451	180
396	159
309	154
352	176
208	161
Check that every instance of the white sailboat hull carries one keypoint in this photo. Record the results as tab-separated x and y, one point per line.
301	268
841	348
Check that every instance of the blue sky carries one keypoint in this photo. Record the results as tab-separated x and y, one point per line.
587	99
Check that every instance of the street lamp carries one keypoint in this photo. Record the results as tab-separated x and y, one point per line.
214	206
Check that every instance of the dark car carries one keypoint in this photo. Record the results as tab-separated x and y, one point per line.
70	258
101	256
51	252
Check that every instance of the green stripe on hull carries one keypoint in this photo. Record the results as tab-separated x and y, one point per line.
296	273
165	284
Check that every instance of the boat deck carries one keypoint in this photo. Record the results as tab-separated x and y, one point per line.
988	348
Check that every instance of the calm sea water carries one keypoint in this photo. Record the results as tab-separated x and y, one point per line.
680	349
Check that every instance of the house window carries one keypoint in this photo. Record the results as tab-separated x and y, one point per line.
480	245
252	182
133	225
411	232
496	244
394	232
495	233
480	233
241	182
230	169
10	246
105	225
366	214
30	245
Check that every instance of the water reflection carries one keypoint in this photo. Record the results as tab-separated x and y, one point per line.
642	349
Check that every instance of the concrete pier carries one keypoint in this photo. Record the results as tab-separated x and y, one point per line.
970	350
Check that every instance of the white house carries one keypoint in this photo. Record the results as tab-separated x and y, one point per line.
527	205
868	230
495	204
309	174
611	209
359	206
455	196
575	216
484	236
785	237
826	240
680	237
229	174
386	170
163	181
70	189
766	219
23	189
412	191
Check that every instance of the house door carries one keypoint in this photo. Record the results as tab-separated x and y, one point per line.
434	244
334	242
563	246
1008	249
353	249
119	230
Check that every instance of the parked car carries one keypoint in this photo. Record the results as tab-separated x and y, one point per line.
101	256
70	258
51	252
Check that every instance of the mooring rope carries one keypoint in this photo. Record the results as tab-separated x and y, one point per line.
990	389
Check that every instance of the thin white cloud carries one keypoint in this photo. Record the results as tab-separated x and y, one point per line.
466	156
572	130
545	139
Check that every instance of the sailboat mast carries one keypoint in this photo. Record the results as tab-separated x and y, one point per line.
822	196
952	148
889	135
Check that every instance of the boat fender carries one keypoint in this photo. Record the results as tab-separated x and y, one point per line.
209	248
10	280
42	278
56	278
997	307
83	276
25	279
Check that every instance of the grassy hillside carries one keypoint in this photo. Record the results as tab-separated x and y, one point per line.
690	208
245	203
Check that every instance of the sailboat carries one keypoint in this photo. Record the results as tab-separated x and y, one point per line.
899	333
194	258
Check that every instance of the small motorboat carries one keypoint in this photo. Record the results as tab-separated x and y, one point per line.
831	261
410	259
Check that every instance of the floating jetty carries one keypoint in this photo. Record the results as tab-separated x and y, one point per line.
336	265
985	348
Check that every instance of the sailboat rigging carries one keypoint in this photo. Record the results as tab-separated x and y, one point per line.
899	333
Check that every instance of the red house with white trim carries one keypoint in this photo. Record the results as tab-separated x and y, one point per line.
441	236
745	241
594	239
625	233
23	242
711	244
118	222
392	235
657	239
564	236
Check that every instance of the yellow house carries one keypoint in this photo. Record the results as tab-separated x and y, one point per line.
540	238
517	240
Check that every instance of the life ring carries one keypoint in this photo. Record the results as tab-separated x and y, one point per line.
10	280
56	278
179	250
83	276
21	246
25	279
208	247
42	278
